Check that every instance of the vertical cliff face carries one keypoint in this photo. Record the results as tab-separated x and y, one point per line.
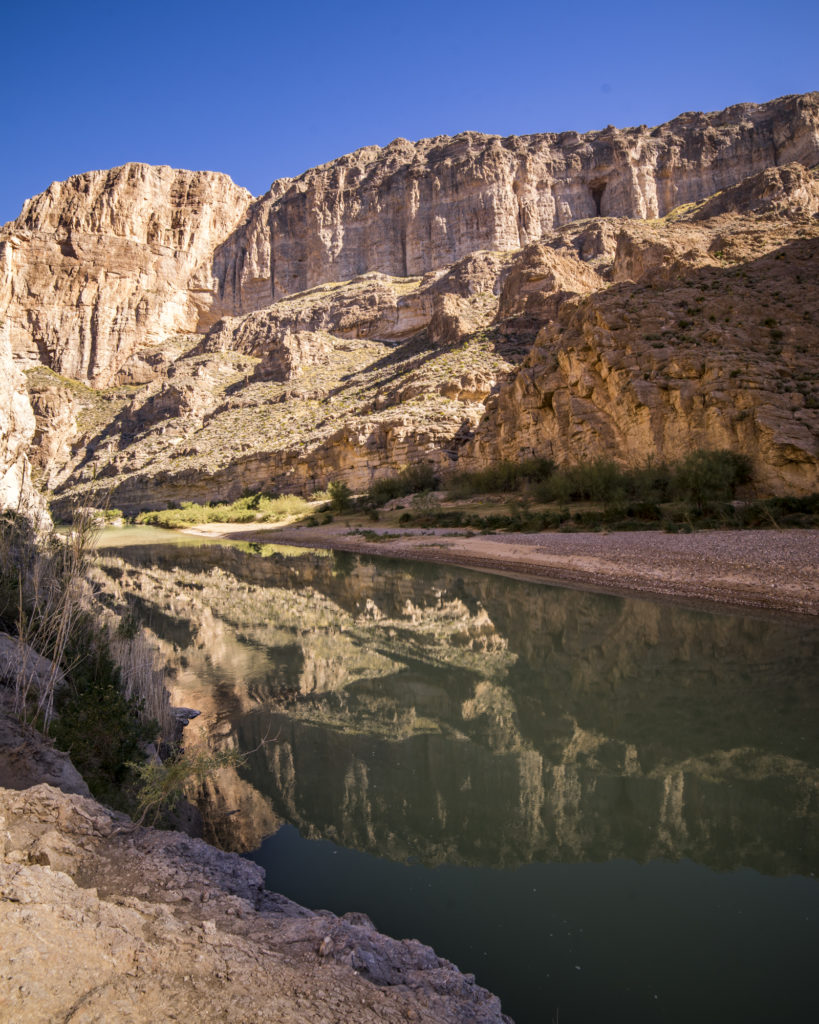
411	207
16	429
103	264
16	414
112	261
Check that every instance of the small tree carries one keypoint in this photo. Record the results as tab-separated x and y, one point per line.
711	476
340	496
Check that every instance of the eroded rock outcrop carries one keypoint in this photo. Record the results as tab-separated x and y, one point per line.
103	263
370	369
17	426
111	261
412	207
137	913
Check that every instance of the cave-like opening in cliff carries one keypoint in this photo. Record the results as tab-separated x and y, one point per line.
597	189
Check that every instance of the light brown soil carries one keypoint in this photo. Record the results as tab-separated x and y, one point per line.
777	570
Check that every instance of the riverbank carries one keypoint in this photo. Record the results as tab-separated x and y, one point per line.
152	925
774	570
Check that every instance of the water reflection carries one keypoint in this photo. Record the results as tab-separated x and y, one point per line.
453	717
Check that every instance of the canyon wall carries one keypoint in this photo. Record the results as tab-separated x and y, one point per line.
106	262
411	207
111	261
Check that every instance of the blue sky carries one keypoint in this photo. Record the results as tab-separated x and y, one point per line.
265	90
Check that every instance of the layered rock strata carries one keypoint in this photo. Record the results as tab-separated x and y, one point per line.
107	261
639	334
110	261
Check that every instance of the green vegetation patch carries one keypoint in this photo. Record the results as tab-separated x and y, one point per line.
254	508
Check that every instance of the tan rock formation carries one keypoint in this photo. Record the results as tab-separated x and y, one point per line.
154	926
712	356
110	261
412	207
16	430
364	373
101	264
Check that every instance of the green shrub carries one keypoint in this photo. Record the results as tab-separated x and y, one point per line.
253	508
412	480
340	496
501	477
705	476
600	480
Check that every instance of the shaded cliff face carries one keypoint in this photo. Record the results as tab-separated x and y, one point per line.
689	357
106	262
462	718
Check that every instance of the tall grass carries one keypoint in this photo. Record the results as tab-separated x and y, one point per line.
43	600
100	694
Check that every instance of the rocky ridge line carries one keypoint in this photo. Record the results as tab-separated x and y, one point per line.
111	261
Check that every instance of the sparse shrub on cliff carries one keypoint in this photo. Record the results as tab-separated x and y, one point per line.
94	698
162	784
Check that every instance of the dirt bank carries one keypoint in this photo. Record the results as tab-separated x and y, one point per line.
776	570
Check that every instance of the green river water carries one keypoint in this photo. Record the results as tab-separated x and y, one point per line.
605	808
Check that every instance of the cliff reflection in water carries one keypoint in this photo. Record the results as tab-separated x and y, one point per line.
429	712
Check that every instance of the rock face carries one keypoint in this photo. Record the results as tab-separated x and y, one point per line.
412	207
698	345
136	914
107	262
111	261
453	301
16	429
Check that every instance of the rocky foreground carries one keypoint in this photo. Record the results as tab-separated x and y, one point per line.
104	921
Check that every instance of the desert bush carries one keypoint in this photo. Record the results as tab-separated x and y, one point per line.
104	696
412	480
162	784
253	508
501	477
340	496
707	476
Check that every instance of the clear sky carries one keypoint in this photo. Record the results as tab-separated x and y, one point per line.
262	90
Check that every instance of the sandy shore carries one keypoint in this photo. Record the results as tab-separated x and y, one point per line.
777	570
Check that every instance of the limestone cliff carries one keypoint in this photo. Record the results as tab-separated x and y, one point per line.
626	293
412	207
16	429
103	263
110	261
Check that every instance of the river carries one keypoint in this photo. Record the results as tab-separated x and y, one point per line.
605	807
